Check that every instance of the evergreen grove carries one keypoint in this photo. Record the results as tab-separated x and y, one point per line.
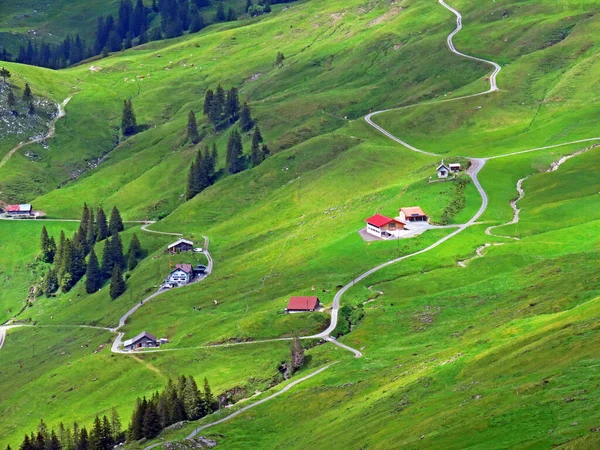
178	401
68	256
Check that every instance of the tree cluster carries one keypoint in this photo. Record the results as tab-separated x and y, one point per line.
104	434
181	400
222	108
202	171
69	255
258	9
55	56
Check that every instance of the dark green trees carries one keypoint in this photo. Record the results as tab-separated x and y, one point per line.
134	252
47	246
4	73
246	122
235	153
101	226
279	59
192	128
222	108
117	283
258	153
93	274
202	172
128	121
50	282
115	224
27	92
11	101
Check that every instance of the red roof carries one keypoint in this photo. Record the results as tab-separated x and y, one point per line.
187	268
13	208
378	220
303	303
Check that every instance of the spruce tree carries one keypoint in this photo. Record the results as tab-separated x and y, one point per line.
265	152
151	424
4	73
96	435
59	248
50	282
115	426
246	122
220	16
208	398
31	109
54	442
101	226
135	247
128	121
231	16
255	153
47	250
131	262
108	261
248	5
232	105
78	265
192	128
116	251
107	438
192	185
279	59
115	225
197	21
191	399
83	442
234	160
11	101
209	97
93	274
27	92
135	431
117	284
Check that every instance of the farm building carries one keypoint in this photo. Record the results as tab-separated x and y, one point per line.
142	340
454	167
413	214
303	304
180	245
181	276
443	170
19	210
383	227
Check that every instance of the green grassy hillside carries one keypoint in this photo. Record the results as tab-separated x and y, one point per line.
500	354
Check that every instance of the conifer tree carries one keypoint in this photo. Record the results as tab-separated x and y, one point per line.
77	270
248	5
208	398
265	151
220	16
197	21
59	248
83	442
135	431
235	151
117	284
93	274
128	121
4	73
246	122
47	246
31	109
107	438
279	59
115	224
232	105
135	248
131	262
192	181
27	92
192	128
255	153
116	251
50	282
96	435
101	226
191	399
115	426
231	16
209	97
11	101
54	442
151	424
108	261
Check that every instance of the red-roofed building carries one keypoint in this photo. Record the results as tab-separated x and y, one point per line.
297	304
383	227
19	210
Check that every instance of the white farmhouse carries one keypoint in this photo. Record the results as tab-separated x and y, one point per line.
181	276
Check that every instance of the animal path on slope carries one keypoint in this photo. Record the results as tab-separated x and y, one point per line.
51	132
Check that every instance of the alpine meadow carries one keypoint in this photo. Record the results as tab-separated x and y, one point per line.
274	224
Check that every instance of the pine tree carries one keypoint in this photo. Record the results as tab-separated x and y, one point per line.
117	284
232	105
59	248
116	251
279	59
209	97
11	101
135	248
115	426
107	438
101	227
4	73
96	435
246	122
78	265
192	128
131	262
220	16
27	92
192	181
115	224
128	121
255	153
208	398
248	5
93	274
31	109
191	399
235	151
54	442
135	431
108	261
297	354
151	424
83	442
26	444
231	16
47	246
265	152
50	282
